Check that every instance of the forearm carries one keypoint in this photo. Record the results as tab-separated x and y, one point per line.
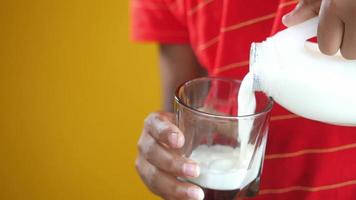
177	65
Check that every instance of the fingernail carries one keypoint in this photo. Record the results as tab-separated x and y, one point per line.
175	140
191	170
195	193
180	141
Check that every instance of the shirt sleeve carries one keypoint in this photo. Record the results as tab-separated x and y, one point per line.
153	21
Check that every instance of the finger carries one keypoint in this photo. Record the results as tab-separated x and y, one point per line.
330	30
166	185
161	127
168	161
348	47
303	11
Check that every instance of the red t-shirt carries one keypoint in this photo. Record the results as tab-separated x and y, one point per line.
304	159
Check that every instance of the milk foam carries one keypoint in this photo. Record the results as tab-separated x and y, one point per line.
222	168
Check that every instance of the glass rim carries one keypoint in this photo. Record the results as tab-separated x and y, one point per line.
264	111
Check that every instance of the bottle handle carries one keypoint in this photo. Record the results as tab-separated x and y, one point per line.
308	29
300	33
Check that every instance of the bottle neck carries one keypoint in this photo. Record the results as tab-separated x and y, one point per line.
265	57
263	65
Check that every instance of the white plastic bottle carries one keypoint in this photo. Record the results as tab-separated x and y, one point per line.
302	79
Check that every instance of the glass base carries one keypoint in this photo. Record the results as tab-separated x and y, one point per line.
251	190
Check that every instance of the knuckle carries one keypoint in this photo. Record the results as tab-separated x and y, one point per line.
174	164
141	146
177	192
153	183
149	151
148	120
138	165
146	146
171	165
154	180
142	170
150	176
158	124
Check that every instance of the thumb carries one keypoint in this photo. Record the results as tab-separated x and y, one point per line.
302	12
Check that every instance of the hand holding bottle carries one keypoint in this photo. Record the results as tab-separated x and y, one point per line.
337	26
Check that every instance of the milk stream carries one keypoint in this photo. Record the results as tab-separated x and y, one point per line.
246	102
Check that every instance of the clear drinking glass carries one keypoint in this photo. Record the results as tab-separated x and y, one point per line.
206	112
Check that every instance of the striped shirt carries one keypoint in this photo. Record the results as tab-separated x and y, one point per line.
304	159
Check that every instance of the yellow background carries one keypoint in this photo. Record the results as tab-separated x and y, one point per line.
73	95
